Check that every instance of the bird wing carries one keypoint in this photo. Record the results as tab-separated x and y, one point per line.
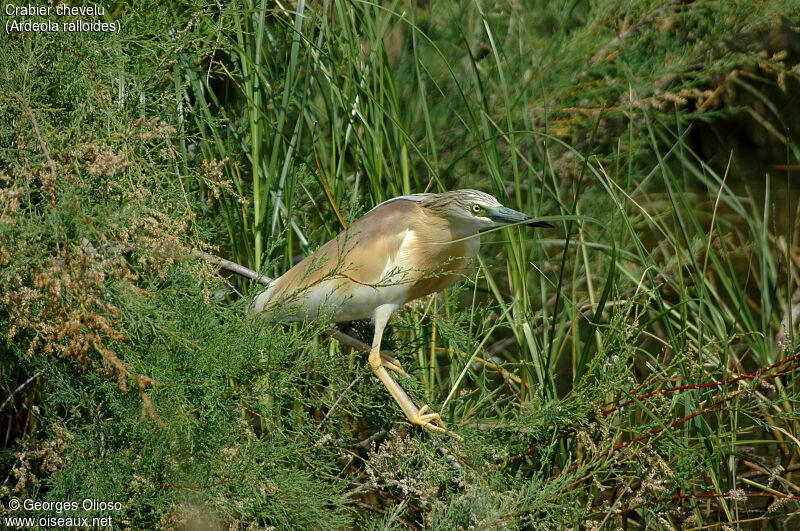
356	266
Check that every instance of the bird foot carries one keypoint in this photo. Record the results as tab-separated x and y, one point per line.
427	420
392	363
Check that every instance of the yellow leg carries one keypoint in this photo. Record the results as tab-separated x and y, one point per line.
420	417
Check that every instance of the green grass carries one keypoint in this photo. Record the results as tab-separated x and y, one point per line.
634	367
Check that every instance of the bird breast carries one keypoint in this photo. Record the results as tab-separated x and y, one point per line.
438	255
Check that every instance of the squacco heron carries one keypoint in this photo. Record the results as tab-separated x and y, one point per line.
402	249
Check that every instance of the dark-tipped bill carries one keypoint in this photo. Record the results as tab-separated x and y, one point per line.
507	215
542	224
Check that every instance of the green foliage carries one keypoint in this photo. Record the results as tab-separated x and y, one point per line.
635	367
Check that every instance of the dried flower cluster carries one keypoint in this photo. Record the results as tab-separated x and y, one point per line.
66	310
42	458
108	163
62	301
404	464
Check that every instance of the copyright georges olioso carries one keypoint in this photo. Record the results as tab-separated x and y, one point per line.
89	512
45	18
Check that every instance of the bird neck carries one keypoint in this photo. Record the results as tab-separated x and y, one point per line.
441	229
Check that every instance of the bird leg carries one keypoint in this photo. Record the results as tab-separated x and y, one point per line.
420	417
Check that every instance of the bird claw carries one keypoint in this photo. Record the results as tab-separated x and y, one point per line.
426	420
392	363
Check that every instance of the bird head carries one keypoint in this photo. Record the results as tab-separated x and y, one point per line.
474	211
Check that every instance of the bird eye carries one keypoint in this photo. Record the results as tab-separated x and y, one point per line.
476	208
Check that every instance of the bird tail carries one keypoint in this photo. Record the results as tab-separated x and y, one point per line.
261	301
